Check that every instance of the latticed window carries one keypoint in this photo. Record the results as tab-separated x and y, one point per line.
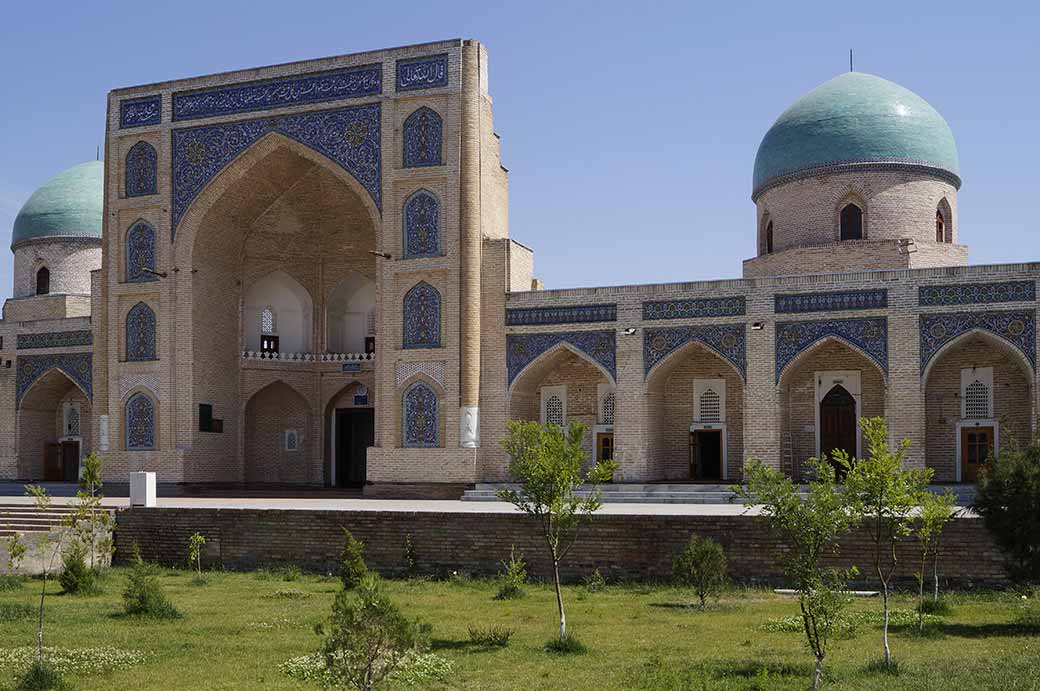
72	426
140	253
267	321
608	409
710	406
420	417
140	423
554	411
422	139
140	333
141	164
976	401
292	440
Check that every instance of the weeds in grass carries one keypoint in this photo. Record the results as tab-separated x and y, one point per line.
881	666
416	669
10	581
16	611
568	645
81	661
594	582
938	608
490	637
287	594
41	677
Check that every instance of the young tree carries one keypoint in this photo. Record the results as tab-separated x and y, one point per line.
50	545
810	526
352	567
935	512
89	522
367	637
1008	499
885	494
195	544
546	462
701	566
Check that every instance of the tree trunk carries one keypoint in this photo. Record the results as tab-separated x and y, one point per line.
39	630
559	596
920	594
884	630
935	573
817	673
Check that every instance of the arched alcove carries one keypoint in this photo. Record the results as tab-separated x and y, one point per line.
291	307
350	314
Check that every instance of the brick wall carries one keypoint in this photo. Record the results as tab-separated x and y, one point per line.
622	547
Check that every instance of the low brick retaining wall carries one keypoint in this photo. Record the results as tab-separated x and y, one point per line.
622	547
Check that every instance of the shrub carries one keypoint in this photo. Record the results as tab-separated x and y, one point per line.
594	582
41	677
1008	499
352	568
195	555
411	564
513	578
568	645
291	573
367	637
16	550
491	637
143	595
938	608
76	577
701	566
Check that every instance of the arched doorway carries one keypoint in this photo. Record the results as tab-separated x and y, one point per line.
53	429
351	424
837	424
278	444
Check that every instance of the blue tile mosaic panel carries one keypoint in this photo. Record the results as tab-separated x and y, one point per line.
140	333
422	228
728	340
1017	328
276	93
523	349
78	366
426	72
977	293
423	139
55	339
141	171
140	253
140	111
140	423
688	309
422	317
831	302
421	417
348	136
868	335
574	314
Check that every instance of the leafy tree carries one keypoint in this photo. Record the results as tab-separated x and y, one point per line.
546	462
352	567
936	510
89	522
1008	499
701	566
195	544
884	494
367	637
810	526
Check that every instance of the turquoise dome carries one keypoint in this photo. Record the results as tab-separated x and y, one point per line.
69	204
855	118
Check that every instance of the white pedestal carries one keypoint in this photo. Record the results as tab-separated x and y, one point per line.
142	490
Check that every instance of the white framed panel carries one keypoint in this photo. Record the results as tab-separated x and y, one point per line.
554	405
709	400
851	381
977	393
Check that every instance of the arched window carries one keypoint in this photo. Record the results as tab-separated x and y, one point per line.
140	253
268	334
420	420
422	317
140	170
422	139
140	333
140	423
43	281
851	222
940	226
769	238
422	226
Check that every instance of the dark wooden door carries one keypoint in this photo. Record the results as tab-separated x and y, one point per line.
70	461
838	422
706	455
976	444
52	463
605	446
355	432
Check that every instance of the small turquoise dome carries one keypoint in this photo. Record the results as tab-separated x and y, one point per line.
855	118
69	204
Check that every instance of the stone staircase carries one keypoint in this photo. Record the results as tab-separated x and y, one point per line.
688	493
26	518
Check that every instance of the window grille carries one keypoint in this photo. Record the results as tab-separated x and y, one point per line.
608	409
976	401
554	411
711	406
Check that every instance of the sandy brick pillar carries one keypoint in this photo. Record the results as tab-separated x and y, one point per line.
904	394
469	230
631	438
763	424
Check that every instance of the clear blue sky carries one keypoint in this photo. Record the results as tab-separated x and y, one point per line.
629	129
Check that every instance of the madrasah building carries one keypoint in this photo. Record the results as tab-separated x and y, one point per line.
302	275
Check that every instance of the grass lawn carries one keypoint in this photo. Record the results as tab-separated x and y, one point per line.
238	628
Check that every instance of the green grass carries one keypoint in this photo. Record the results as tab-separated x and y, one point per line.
236	630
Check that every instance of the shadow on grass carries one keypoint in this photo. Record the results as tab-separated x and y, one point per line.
665	674
1010	630
695	606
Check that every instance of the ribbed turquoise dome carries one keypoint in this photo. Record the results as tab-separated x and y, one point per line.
69	204
855	118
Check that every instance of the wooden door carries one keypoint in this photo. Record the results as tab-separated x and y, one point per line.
355	432
976	445
838	422
52	463
70	461
605	446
